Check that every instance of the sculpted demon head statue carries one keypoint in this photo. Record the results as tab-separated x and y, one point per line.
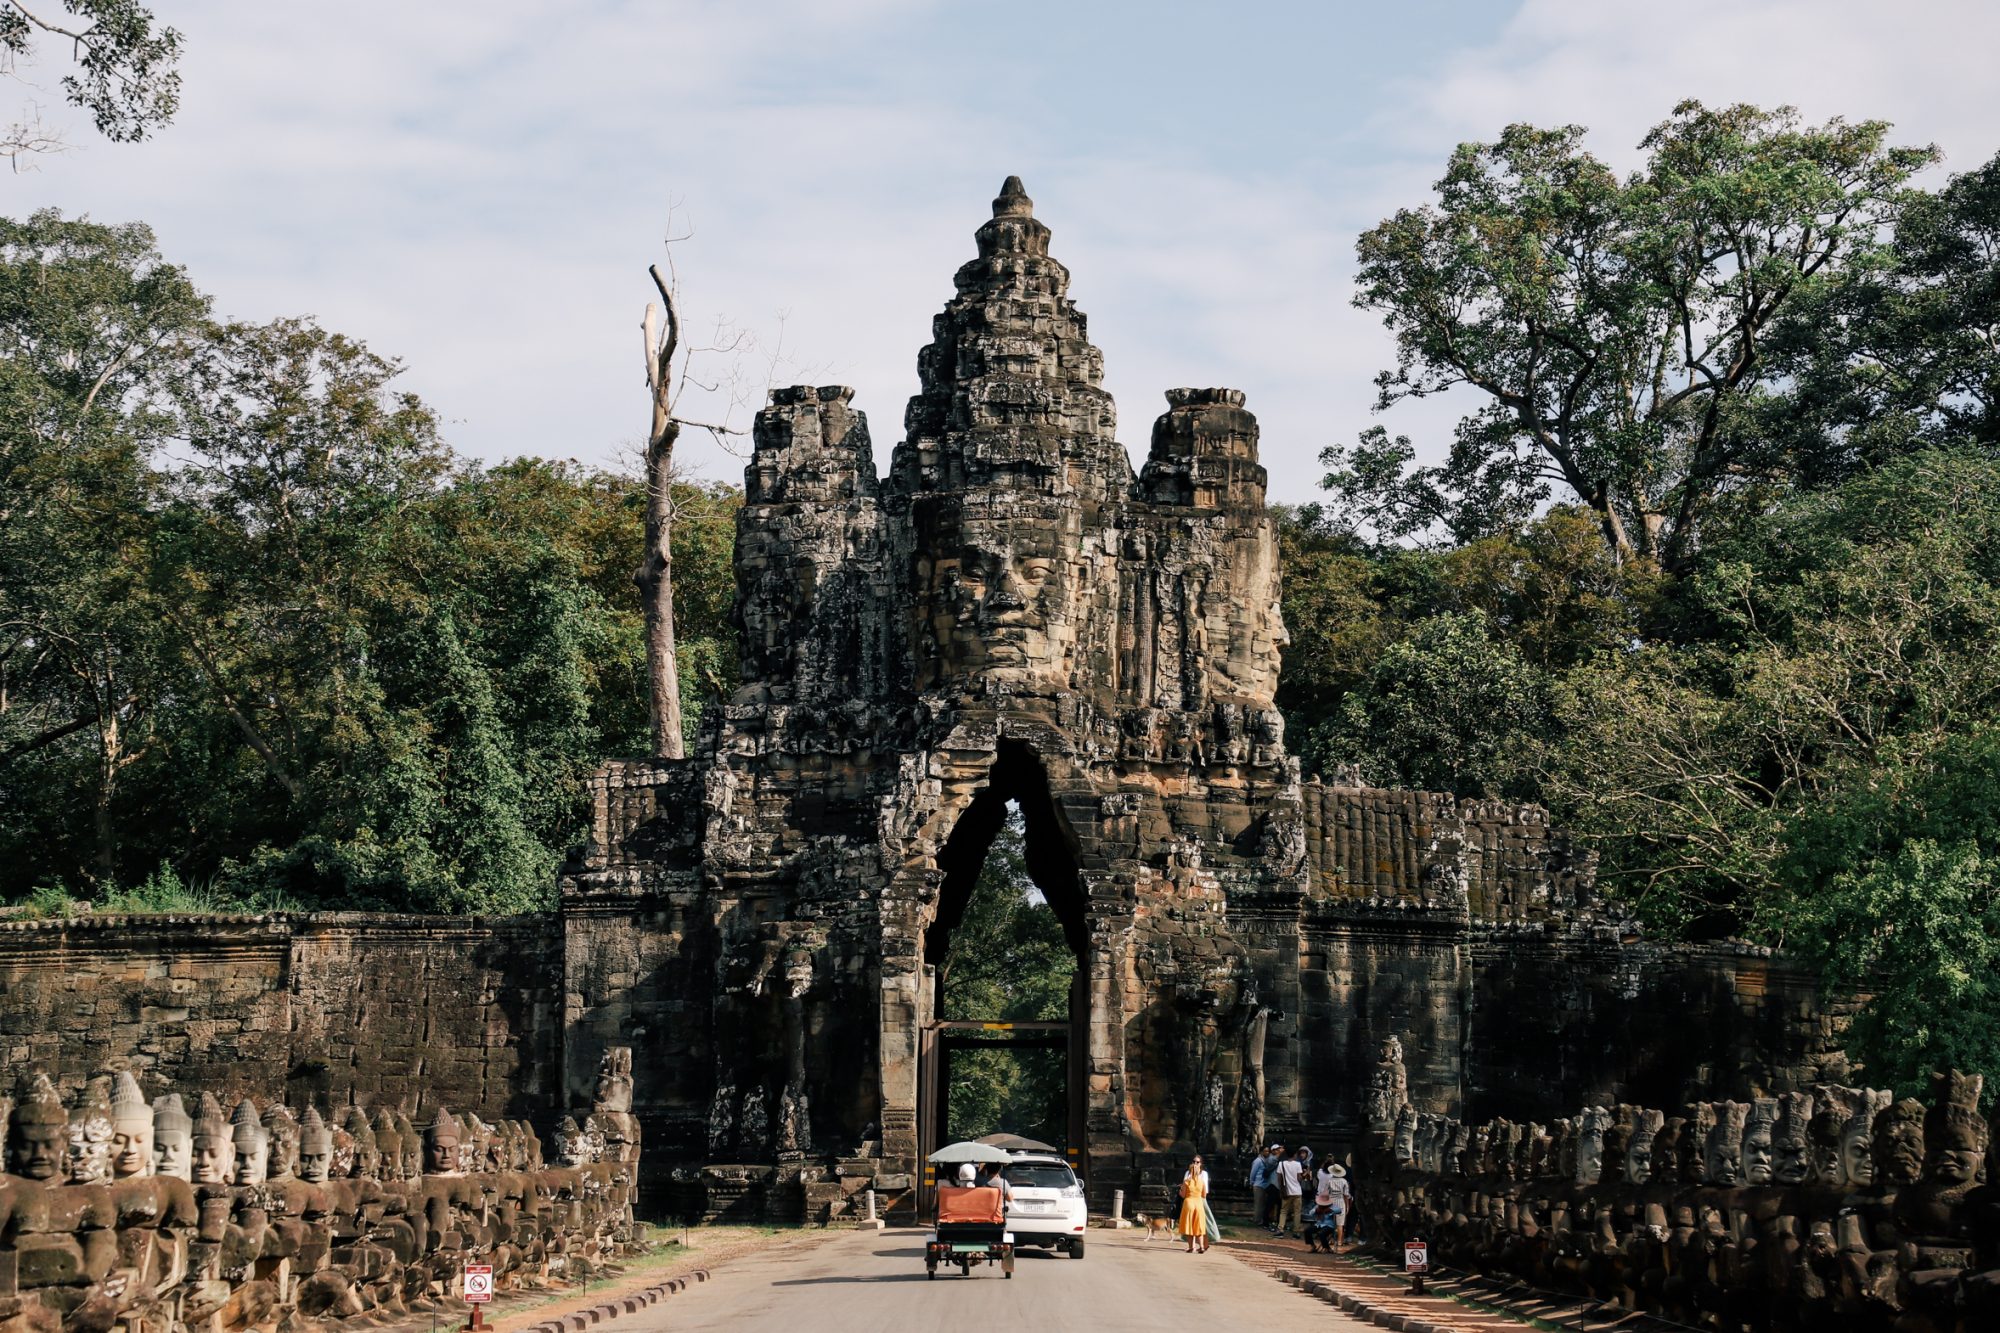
1899	1144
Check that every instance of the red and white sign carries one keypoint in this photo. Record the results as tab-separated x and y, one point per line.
478	1283
1416	1256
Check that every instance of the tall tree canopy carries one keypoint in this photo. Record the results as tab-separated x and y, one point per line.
260	626
126	74
1615	328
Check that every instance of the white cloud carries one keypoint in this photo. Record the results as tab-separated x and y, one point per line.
479	189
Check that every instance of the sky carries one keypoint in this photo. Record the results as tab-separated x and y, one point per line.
477	189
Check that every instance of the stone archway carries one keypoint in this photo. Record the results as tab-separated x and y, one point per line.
1017	779
1011	610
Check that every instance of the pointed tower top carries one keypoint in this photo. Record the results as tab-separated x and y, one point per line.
1013	201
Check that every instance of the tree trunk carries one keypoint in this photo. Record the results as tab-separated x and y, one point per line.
656	567
656	590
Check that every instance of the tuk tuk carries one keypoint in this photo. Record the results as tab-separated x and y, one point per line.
971	1229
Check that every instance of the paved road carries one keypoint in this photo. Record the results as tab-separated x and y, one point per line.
864	1282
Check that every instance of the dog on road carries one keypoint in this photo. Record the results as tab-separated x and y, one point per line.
1155	1226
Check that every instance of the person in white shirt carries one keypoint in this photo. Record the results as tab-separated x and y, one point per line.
1336	1196
1291	1194
968	1174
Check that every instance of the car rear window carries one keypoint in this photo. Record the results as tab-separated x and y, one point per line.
1023	1175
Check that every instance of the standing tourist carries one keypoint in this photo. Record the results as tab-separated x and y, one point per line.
1260	1186
1291	1190
1336	1199
1194	1207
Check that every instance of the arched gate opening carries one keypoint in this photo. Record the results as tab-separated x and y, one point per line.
1017	787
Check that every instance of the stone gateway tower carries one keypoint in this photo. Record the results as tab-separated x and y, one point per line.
1012	616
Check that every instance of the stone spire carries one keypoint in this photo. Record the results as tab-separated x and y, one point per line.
1012	388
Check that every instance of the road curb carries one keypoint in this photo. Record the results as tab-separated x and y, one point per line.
578	1320
1348	1303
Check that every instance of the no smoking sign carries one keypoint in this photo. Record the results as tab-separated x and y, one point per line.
478	1283
1416	1256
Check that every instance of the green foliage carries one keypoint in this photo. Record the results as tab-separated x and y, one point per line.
1448	708
1765	367
1008	959
1433	668
259	626
1893	887
1614	328
127	76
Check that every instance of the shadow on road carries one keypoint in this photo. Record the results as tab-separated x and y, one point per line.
850	1277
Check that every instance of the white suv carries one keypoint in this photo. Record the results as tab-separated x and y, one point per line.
1048	1207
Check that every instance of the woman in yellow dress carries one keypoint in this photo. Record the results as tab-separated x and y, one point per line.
1194	1207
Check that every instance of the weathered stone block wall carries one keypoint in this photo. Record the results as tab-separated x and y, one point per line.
1493	859
318	1005
1532	1021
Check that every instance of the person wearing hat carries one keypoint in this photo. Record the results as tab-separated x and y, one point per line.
1335	1198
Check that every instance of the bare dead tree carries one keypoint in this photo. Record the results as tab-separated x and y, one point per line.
656	566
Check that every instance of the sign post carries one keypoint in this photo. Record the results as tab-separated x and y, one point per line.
478	1291
1416	1262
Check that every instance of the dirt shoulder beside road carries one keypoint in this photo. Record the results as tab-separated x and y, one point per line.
707	1247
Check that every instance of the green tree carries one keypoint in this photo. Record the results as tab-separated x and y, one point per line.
263	636
1614	328
1448	708
1806	651
1892	886
1907	355
126	75
96	330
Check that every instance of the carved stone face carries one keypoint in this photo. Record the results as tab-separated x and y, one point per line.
995	603
253	1161
1792	1163
132	1145
1957	1156
1639	1158
1857	1155
38	1146
213	1157
441	1152
1903	1155
90	1149
173	1154
1590	1153
1827	1167
1724	1167
284	1152
1692	1166
316	1164
1758	1155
